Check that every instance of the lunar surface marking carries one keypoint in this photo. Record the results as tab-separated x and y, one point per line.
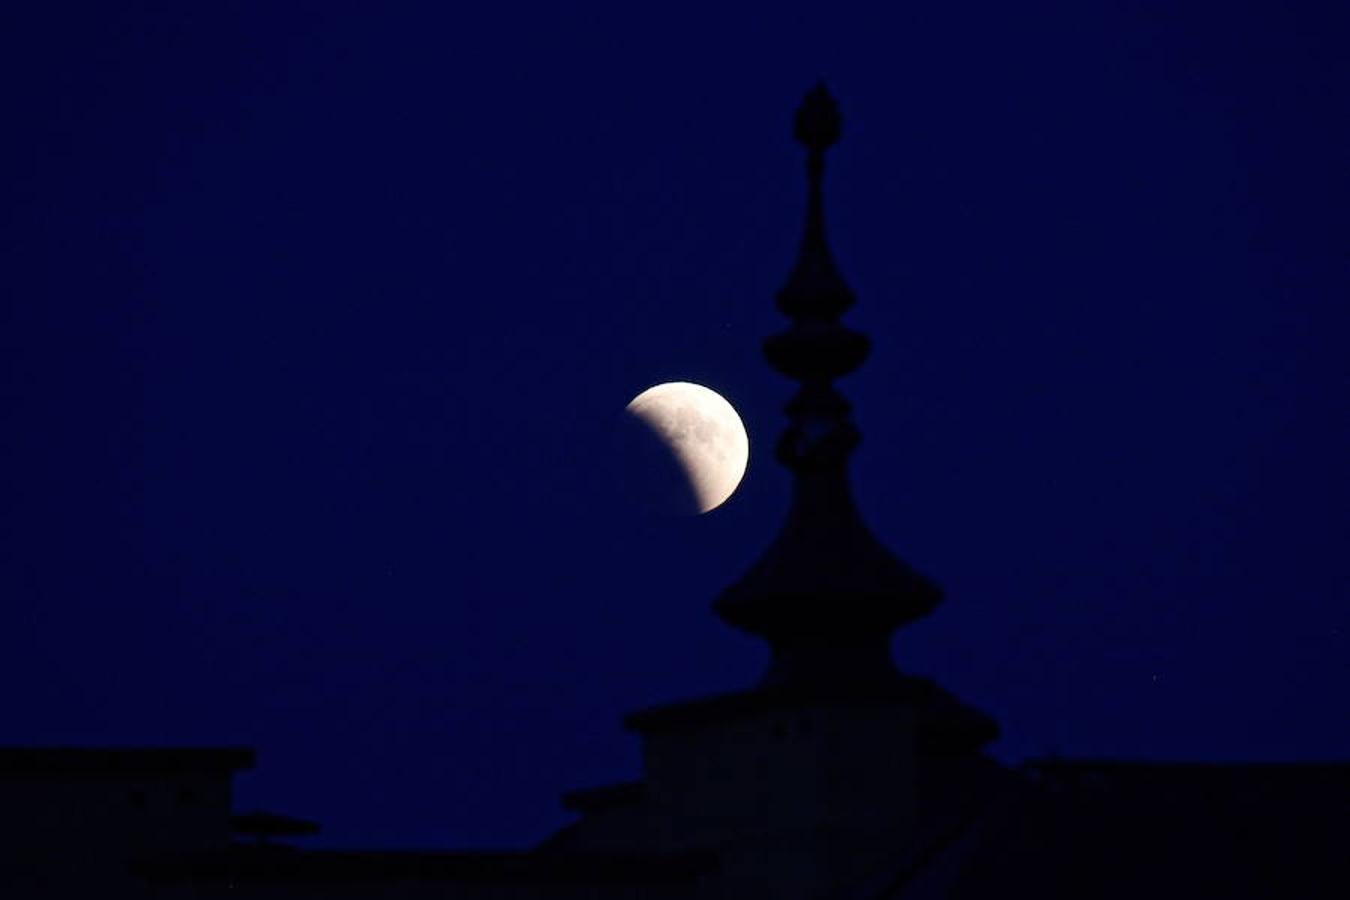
704	434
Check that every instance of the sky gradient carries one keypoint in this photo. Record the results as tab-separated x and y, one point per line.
317	321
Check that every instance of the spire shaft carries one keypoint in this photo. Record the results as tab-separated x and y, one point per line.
826	589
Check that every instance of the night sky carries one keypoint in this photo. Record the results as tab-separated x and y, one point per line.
318	321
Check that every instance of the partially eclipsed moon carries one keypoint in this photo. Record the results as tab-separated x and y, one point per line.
702	432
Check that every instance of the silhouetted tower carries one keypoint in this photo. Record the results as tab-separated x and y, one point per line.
826	595
834	759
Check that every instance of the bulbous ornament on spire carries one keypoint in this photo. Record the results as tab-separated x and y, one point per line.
826	594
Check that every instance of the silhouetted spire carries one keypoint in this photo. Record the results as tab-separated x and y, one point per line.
815	286
826	594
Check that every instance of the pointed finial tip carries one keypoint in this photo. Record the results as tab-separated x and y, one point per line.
817	123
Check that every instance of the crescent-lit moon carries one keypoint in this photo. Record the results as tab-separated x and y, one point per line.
703	433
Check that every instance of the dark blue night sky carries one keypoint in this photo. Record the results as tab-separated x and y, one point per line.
317	320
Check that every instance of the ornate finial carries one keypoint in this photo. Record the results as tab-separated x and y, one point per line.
817	124
816	348
826	594
815	286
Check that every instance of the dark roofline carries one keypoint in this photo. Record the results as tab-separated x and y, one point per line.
609	796
344	866
1331	778
123	760
1188	768
704	710
947	725
261	823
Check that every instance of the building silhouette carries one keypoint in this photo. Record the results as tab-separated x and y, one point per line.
835	776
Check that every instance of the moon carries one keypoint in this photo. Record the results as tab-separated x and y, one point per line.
702	433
